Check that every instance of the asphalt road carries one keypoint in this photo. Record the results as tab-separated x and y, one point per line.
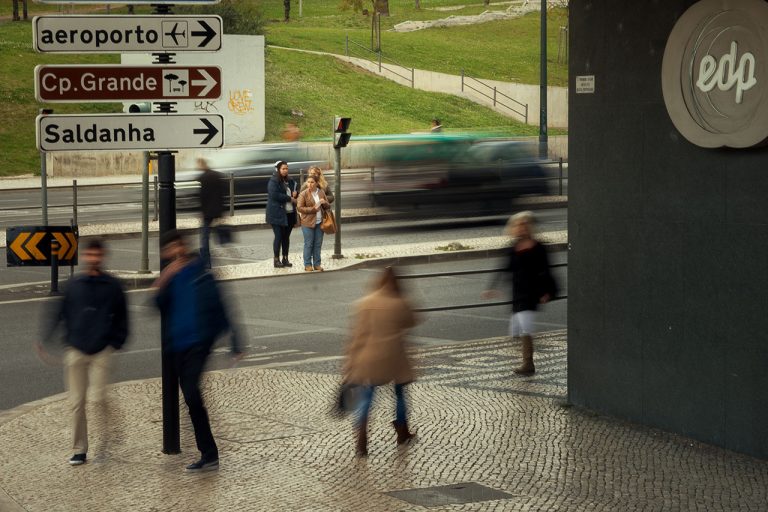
304	318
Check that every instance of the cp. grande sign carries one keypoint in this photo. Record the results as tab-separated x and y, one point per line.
714	73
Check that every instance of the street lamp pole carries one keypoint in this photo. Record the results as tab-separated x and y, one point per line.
543	139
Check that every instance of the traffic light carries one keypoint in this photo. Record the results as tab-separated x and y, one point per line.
340	134
137	108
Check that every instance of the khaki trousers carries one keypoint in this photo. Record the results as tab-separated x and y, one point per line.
80	371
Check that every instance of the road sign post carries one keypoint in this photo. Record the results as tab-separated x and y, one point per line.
54	267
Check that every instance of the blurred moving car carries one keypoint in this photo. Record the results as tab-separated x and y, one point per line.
251	166
449	174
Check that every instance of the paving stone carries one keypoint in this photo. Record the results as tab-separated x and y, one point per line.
282	450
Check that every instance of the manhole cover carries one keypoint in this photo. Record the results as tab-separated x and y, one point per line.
455	494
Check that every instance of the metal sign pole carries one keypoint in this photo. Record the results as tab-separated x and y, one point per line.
144	269
54	268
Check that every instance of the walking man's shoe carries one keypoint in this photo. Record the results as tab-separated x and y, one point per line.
201	466
77	459
318	268
308	269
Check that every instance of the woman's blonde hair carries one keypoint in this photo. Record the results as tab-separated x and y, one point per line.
321	181
526	216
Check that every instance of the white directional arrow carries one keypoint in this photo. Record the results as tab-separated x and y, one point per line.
208	82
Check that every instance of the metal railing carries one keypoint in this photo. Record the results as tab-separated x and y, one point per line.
380	56
244	199
493	94
464	273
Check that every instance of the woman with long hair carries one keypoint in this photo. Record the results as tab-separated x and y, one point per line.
311	203
322	183
282	195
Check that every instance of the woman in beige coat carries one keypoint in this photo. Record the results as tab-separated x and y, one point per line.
377	355
310	204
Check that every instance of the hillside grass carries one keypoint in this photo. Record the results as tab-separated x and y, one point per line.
506	50
319	87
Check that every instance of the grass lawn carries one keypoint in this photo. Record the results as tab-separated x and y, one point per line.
322	87
506	50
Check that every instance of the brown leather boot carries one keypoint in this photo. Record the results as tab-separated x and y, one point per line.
403	435
527	367
362	440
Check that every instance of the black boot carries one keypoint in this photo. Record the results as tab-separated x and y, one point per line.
286	263
403	435
277	263
361	448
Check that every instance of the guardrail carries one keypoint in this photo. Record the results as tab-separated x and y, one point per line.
380	56
233	198
464	273
523	112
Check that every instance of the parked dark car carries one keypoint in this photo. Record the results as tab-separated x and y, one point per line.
251	166
451	174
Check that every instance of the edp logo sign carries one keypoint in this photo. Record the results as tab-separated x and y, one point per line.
714	73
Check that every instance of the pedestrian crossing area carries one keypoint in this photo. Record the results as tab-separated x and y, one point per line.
488	365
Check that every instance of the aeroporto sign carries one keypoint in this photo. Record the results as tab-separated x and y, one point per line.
714	73
109	83
124	34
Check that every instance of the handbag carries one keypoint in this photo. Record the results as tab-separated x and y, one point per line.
347	399
328	225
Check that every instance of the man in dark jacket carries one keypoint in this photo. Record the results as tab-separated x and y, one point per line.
211	208
93	310
193	316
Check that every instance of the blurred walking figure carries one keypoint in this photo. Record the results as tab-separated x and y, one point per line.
322	183
311	203
93	310
532	284
377	353
290	133
282	194
194	316
436	126
212	191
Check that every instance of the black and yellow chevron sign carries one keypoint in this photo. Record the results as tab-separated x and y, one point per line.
31	246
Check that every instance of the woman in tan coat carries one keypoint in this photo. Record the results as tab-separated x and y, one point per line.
310	204
377	355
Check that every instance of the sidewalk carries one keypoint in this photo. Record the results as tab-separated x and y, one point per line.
486	441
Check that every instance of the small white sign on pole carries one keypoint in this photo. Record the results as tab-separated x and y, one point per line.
585	84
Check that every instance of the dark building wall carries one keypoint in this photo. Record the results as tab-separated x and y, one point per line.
668	270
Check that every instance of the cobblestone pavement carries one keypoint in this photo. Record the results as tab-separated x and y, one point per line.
281	450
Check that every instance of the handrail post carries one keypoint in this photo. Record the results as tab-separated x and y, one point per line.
462	79
526	113
154	219
561	176
231	194
494	96
346	46
74	201
379	61
413	78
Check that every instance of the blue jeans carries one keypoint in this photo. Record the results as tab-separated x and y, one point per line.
366	399
313	242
